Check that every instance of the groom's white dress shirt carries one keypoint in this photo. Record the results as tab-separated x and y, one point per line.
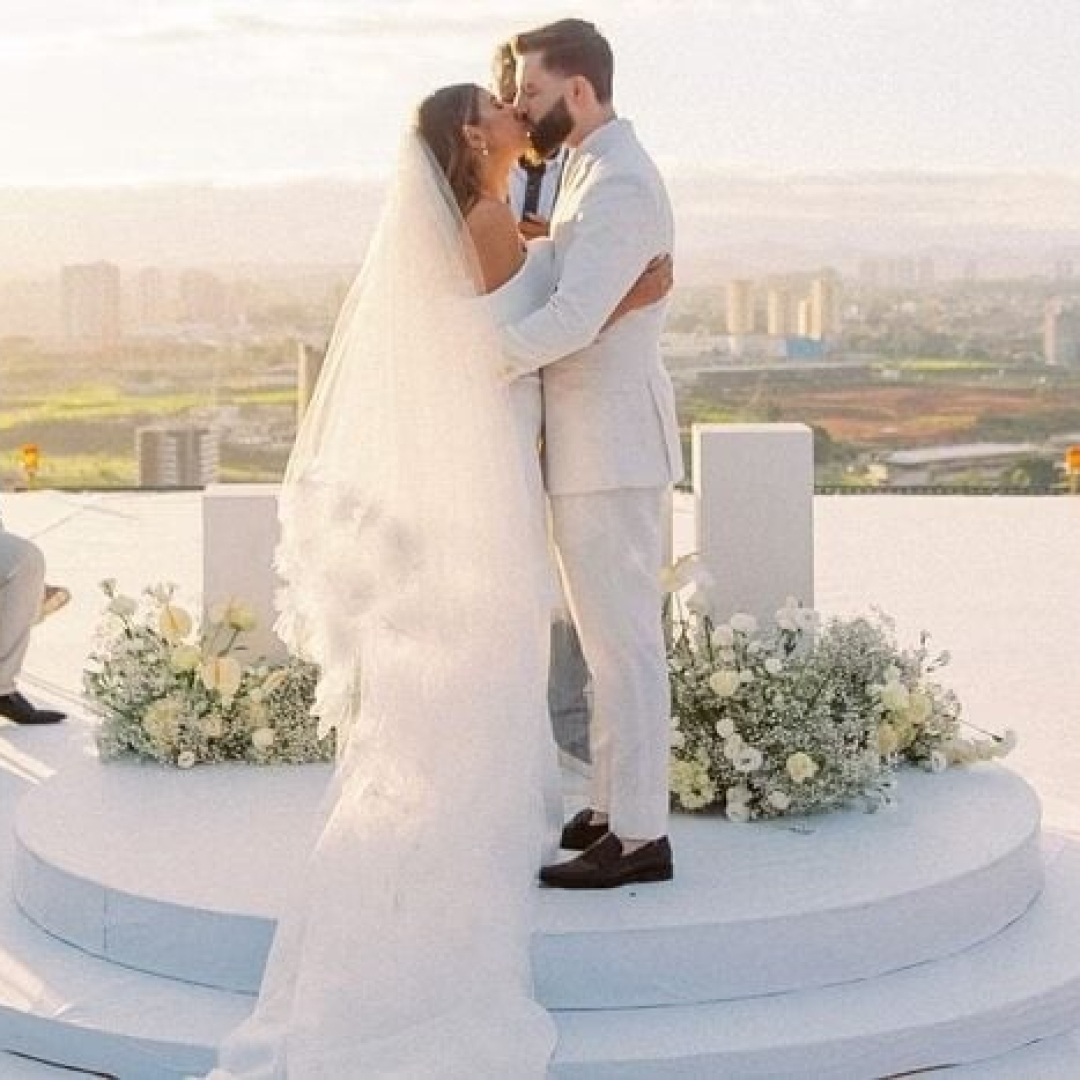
611	448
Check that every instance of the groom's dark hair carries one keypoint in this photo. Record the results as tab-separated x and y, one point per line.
572	47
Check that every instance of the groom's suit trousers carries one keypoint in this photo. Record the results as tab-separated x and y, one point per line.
610	548
22	581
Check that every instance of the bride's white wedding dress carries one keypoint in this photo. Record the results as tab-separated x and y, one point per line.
414	554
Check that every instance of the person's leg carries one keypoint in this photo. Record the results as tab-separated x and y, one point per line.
611	551
567	701
22	583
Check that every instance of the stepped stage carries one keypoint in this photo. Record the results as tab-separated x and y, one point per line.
849	945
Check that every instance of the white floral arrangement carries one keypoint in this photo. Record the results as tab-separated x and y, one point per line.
802	717
176	693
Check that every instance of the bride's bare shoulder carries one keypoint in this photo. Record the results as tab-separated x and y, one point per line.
496	241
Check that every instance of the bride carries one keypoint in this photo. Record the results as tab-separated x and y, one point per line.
414	555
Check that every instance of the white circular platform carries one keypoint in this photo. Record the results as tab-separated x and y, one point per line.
181	874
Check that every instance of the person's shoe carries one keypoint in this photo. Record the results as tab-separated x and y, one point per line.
54	598
15	707
604	866
580	833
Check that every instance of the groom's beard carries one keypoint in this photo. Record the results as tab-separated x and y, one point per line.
552	129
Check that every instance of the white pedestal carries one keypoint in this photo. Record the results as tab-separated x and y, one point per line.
754	491
240	532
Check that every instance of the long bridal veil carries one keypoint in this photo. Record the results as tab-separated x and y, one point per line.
415	579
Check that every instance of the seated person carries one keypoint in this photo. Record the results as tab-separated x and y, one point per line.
24	601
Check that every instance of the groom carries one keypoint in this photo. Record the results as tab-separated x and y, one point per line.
611	443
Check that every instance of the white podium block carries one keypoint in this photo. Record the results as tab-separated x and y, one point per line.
754	491
240	532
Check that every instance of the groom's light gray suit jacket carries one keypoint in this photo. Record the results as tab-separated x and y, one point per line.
609	408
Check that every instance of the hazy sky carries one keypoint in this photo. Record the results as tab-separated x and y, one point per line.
96	91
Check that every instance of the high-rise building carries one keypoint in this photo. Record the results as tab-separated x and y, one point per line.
804	318
782	316
183	455
91	304
1061	334
203	298
740	307
151	300
824	309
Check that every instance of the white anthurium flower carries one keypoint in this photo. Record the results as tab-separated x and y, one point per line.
743	623
221	673
724	684
680	574
274	681
748	759
801	767
700	600
174	623
240	616
123	606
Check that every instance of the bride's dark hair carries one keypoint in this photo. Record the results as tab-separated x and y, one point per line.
440	120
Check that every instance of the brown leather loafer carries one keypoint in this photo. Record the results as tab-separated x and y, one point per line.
604	866
580	833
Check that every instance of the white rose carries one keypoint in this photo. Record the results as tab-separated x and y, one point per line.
894	696
774	665
746	675
742	623
174	622
920	706
185	658
888	739
748	759
725	727
801	767
186	759
723	637
677	740
724	683
263	738
779	800
212	726
732	746
737	812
